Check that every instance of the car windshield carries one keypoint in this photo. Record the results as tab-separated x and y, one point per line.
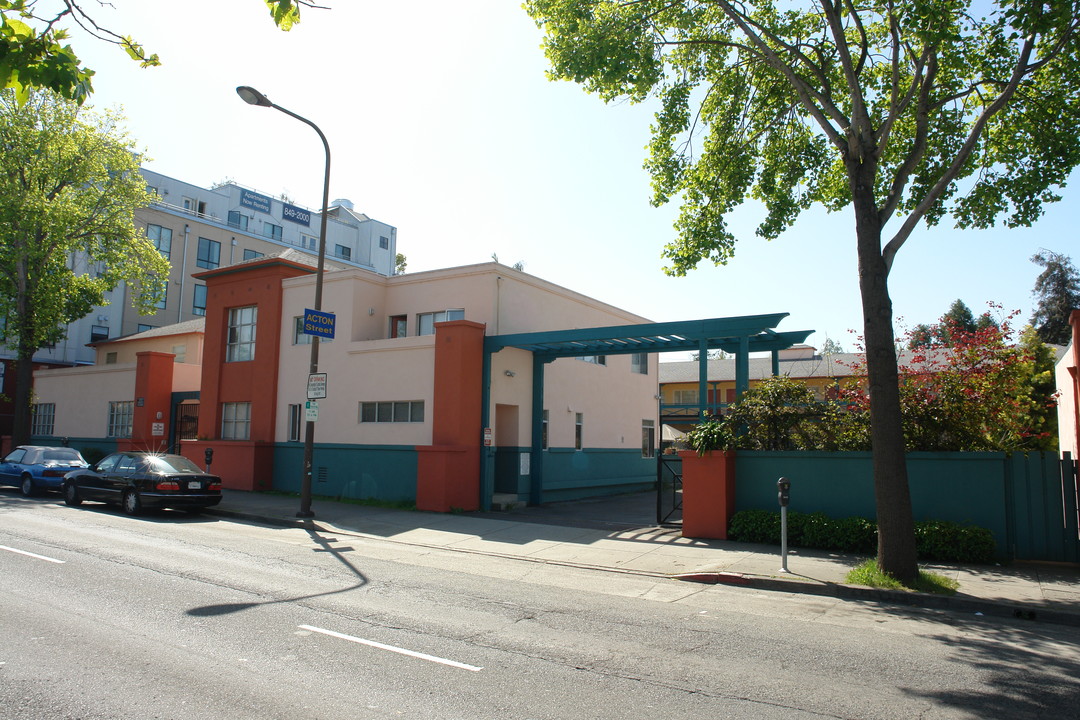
171	464
61	455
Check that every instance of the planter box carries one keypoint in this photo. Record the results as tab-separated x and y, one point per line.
708	487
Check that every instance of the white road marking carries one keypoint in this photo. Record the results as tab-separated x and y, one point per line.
391	648
30	554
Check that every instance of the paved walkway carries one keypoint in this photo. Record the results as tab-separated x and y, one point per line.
575	534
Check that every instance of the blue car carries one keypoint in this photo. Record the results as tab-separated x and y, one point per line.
33	468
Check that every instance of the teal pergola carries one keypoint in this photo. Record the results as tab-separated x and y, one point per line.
738	336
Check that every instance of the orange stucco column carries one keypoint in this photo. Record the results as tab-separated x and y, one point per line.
448	471
153	399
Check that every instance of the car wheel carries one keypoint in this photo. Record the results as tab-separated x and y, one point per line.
131	503
71	495
27	486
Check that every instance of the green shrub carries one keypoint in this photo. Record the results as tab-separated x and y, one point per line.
935	539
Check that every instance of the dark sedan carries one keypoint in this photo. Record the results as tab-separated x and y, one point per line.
138	480
33	468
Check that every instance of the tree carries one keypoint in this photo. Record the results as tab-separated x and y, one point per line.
959	319
400	263
69	185
903	110
831	347
1058	291
32	53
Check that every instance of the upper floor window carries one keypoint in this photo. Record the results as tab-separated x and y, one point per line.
425	322
143	327
271	230
250	254
685	397
198	305
240	345
639	363
162	239
398	326
594	359
160	304
98	333
384	242
238	220
344	252
209	253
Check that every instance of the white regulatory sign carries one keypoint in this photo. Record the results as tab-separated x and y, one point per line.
311	410
316	386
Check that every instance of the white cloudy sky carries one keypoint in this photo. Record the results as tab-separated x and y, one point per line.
442	123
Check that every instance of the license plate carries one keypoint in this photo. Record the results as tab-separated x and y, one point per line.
194	485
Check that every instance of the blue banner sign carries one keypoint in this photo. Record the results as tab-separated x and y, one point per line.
254	200
300	216
319	323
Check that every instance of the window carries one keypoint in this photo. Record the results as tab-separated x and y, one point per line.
648	438
309	242
120	415
160	304
398	326
110	358
98	333
343	252
44	417
544	432
425	322
250	254
209	253
143	327
639	363
579	421
240	345
300	337
162	239
384	242
594	359
271	230
198	305
295	413
411	411
180	353
235	421
237	220
685	397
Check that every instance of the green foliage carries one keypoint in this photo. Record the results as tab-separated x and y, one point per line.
1057	290
33	55
870	574
709	435
935	539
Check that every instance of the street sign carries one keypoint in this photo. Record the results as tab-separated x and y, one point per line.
311	410
319	323
316	386
488	437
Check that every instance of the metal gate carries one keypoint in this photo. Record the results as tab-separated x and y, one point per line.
668	488
185	424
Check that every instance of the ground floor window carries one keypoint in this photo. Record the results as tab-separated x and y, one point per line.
579	422
236	421
397	411
44	419
296	412
648	438
121	413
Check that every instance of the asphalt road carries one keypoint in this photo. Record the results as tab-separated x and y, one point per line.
169	616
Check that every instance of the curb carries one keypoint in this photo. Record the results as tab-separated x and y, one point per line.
1020	611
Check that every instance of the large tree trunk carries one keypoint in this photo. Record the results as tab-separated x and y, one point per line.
896	527
24	381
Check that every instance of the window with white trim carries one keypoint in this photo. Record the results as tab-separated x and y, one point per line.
648	438
296	414
235	421
240	345
639	363
425	322
44	419
121	413
579	423
399	411
162	239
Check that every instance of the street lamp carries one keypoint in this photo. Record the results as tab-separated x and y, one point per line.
253	97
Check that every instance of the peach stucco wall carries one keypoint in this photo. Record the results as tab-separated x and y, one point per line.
97	386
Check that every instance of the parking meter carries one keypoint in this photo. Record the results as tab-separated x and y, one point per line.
783	494
209	454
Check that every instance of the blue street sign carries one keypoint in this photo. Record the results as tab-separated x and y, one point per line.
319	323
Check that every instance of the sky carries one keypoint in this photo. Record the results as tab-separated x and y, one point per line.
442	122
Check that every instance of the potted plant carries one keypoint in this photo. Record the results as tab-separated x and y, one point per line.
708	482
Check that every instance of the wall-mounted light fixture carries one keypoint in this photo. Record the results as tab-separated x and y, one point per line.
509	373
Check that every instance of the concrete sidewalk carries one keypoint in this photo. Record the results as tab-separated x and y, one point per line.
1046	592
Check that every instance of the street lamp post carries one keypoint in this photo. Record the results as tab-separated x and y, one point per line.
254	97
